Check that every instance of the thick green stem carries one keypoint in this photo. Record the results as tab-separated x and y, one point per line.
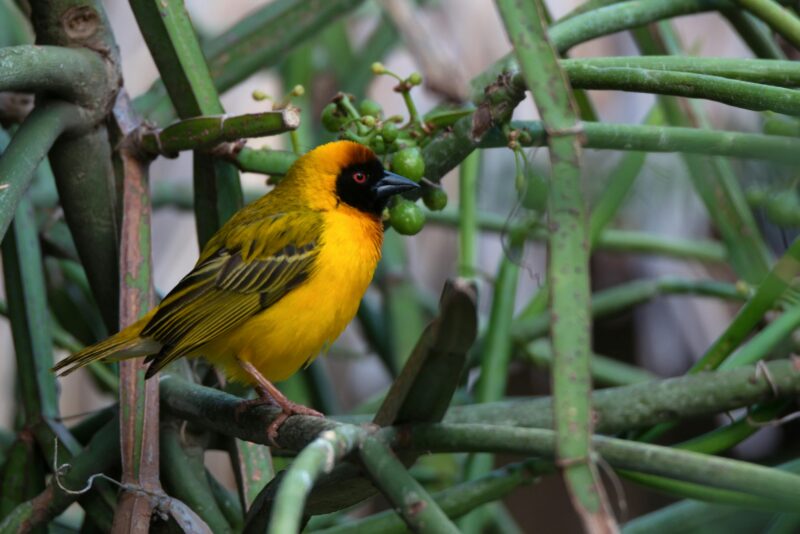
616	409
722	473
747	95
28	148
647	138
317	458
568	260
781	73
72	74
205	132
184	474
170	37
455	501
264	161
779	18
259	41
409	498
640	405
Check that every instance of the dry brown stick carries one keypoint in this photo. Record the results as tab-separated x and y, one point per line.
138	398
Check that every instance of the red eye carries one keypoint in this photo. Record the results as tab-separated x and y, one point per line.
359	177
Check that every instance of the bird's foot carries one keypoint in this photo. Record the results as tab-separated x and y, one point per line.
289	409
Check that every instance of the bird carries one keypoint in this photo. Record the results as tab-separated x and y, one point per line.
277	283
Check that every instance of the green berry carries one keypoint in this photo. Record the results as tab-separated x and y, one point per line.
259	95
406	217
784	208
389	132
370	107
378	145
415	78
435	198
368	121
378	68
408	162
331	120
536	192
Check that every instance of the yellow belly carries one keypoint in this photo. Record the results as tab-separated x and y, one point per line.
282	338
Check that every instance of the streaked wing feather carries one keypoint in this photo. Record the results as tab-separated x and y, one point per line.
231	284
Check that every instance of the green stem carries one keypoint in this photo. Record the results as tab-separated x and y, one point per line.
409	498
616	409
768	292
467	214
722	473
781	73
27	149
688	249
73	74
496	355
646	138
747	95
642	405
264	161
30	320
604	370
779	18
624	296
754	33
455	501
170	37
317	458
765	341
205	132
184	474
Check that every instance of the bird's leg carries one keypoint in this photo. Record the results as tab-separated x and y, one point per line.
269	393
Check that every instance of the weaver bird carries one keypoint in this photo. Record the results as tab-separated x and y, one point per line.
277	283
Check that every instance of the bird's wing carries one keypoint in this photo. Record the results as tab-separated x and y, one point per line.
253	266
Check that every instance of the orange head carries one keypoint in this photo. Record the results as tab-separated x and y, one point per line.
344	172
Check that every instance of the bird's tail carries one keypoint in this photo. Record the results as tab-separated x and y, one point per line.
123	345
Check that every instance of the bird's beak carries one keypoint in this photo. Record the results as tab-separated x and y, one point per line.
392	184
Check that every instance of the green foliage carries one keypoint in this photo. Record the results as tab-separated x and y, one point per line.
75	228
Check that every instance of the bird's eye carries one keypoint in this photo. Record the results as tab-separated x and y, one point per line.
359	177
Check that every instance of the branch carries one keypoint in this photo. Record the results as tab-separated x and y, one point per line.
645	138
139	406
643	405
568	261
734	475
28	148
316	459
408	497
781	19
457	500
72	74
615	409
205	132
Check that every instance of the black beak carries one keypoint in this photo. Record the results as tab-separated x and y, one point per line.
392	184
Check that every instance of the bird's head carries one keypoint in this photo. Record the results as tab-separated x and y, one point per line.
344	172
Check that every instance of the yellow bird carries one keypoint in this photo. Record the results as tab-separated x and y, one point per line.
277	283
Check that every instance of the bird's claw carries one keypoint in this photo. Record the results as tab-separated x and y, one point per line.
289	409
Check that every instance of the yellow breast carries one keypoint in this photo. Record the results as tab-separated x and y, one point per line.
282	338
